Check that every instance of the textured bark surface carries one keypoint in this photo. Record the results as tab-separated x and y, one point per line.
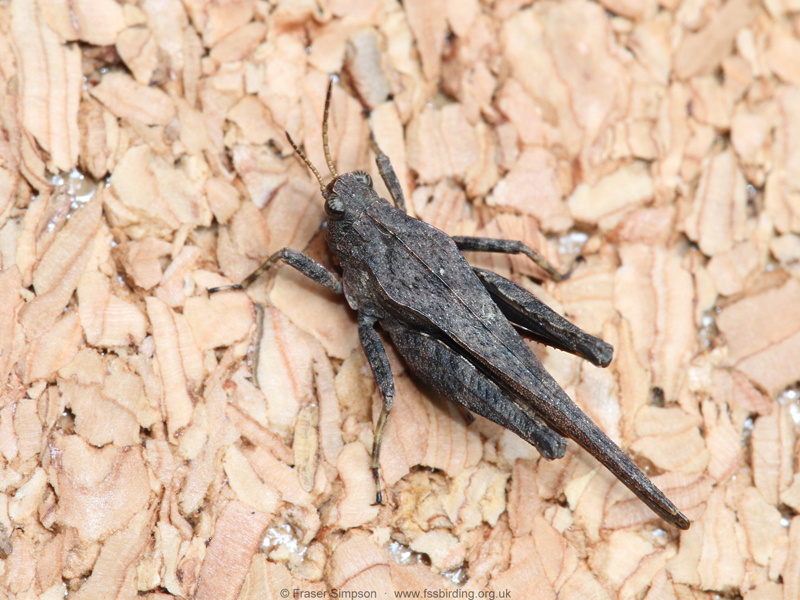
156	442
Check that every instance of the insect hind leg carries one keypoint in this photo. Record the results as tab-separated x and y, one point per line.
540	322
455	377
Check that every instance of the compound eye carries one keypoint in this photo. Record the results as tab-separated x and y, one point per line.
334	207
363	178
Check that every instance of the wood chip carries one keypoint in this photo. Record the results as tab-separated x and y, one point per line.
57	275
285	480
357	505
537	43
239	44
177	403
285	374
100	490
781	198
97	23
441	144
369	571
203	316
167	20
87	401
723	441
701	52
719	564
293	296
476	495
526	570
718	213
162	441
50	80
294	214
606	202
532	186
730	271
664	296
427	21
670	439
749	136
792	578
363	63
411	434
762	523
760	330
107	319
157	194
237	536
115	572
128	99
773	443
250	489
783	57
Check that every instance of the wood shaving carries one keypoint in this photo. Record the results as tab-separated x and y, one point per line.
158	442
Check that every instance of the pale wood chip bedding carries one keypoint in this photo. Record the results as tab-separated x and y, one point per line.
150	445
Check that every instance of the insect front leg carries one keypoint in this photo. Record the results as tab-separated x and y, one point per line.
480	244
306	265
540	322
379	362
388	175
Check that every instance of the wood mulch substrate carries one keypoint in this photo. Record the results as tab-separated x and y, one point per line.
151	446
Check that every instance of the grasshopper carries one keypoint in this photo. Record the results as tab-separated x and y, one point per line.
457	327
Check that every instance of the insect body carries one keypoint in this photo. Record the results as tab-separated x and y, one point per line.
455	325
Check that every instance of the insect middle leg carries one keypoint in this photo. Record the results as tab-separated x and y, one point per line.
379	362
481	244
305	264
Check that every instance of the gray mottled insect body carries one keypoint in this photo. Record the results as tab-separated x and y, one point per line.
457	327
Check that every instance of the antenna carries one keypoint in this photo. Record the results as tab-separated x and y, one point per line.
325	130
308	162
